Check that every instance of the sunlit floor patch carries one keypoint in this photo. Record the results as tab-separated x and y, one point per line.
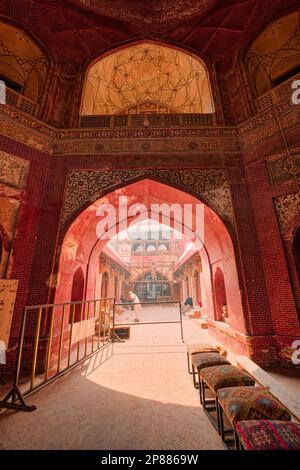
141	397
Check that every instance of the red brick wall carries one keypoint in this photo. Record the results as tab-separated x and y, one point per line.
268	303
277	280
22	254
256	305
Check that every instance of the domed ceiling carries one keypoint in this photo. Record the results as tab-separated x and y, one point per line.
76	31
156	15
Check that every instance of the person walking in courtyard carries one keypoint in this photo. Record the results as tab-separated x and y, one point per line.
137	306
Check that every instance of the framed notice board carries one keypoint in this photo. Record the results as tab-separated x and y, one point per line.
8	291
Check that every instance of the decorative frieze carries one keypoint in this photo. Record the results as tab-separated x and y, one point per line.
25	129
140	120
287	208
210	185
13	170
145	145
283	167
149	133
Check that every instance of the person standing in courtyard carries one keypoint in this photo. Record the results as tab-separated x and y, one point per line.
137	306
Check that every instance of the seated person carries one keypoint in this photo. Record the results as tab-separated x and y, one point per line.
189	301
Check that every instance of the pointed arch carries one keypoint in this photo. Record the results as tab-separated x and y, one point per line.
147	77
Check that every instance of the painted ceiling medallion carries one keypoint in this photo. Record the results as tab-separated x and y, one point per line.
154	13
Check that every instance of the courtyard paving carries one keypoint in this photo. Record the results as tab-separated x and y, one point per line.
134	395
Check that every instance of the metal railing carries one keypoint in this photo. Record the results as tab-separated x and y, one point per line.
160	322
55	338
13	98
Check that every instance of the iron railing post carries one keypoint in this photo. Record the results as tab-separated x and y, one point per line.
15	394
181	323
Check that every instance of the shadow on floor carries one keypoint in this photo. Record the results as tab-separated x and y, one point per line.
113	407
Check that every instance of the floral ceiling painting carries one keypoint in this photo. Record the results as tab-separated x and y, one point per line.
147	78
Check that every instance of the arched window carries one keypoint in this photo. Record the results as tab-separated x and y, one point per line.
151	248
275	55
137	248
23	66
77	293
147	78
162	247
152	286
220	296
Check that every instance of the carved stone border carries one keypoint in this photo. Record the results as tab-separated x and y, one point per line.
282	167
287	208
156	138
13	170
210	185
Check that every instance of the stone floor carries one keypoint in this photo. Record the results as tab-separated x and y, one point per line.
288	377
135	395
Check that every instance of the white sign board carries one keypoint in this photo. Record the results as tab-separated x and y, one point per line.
83	329
8	291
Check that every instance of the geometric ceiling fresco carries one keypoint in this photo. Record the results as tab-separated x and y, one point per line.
147	77
274	53
76	31
22	63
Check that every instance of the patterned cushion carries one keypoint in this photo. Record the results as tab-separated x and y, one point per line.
269	435
209	359
200	347
226	376
249	403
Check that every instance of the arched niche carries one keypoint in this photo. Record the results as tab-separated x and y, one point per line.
23	65
81	244
149	289
274	56
220	294
77	293
147	78
197	287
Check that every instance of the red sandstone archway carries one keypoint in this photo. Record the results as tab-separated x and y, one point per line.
146	288
82	248
220	294
77	293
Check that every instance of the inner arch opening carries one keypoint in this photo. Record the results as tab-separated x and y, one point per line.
169	268
147	78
